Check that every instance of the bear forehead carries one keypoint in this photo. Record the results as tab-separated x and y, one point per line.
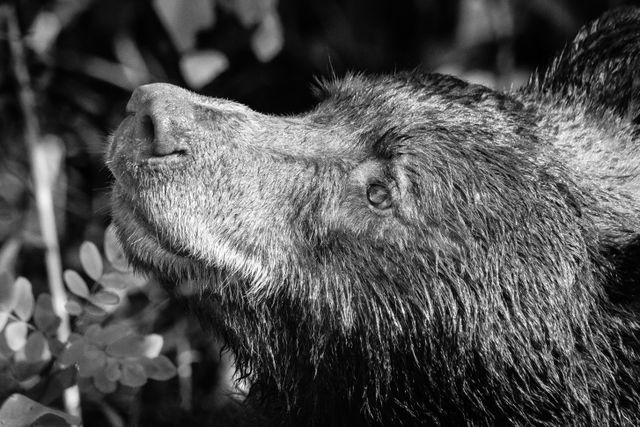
419	108
413	100
409	89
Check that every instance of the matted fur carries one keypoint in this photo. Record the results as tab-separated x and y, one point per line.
499	288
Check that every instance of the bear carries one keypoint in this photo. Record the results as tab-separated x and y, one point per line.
416	249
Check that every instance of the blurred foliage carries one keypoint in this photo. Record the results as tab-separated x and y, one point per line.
83	58
104	352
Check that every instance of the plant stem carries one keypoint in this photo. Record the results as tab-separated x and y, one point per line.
42	186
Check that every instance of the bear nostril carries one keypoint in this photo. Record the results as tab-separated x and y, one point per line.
147	128
161	143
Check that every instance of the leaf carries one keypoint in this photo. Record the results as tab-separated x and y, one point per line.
37	349
135	345
73	307
93	333
106	298
23	297
91	260
268	39
112	333
92	361
114	252
50	420
203	66
159	368
249	12
94	352
3	319
152	345
6	292
133	374
183	20
19	410
128	346
44	317
72	354
115	280
56	347
74	337
103	383
112	371
16	335
76	283
93	311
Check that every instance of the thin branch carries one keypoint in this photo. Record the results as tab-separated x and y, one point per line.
42	176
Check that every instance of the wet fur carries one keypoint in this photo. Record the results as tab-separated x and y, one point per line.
502	286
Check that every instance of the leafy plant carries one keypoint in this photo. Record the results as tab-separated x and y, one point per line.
107	350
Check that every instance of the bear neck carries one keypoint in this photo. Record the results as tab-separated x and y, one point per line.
303	372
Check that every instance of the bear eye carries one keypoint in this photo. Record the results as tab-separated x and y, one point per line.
379	196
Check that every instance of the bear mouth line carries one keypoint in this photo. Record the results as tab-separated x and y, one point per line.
177	270
152	253
142	243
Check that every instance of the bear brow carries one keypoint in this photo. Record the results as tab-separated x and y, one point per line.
390	143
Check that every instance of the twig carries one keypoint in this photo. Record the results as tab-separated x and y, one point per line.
9	252
111	415
40	172
185	359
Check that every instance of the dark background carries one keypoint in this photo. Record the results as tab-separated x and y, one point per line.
84	57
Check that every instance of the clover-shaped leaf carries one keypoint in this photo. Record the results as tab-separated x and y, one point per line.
129	346
76	283
152	345
105	297
103	383
114	252
94	352
91	260
112	370
135	345
73	307
93	360
159	368
36	348
16	335
94	311
23	297
112	333
92	333
44	317
133	374
115	280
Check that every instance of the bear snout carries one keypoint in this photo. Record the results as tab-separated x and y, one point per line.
158	112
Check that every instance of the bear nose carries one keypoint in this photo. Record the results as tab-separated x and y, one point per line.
160	111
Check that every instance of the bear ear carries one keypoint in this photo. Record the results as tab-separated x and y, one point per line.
600	67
